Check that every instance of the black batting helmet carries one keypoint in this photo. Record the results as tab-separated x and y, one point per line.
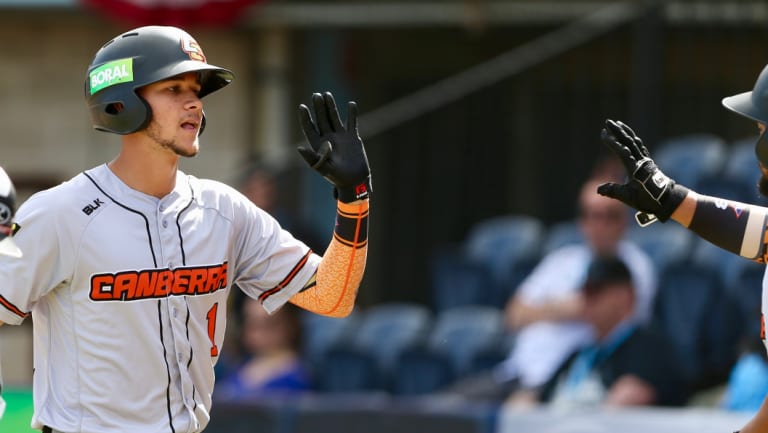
752	104
7	211
135	59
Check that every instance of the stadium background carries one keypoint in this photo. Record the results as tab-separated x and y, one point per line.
516	138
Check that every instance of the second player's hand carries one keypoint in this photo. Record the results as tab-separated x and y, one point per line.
335	151
647	189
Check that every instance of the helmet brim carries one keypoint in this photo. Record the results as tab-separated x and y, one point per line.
742	104
9	248
213	77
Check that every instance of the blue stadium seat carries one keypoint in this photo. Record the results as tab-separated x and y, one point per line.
708	255
744	285
347	370
458	280
421	371
691	157
694	311
561	234
667	244
381	333
460	333
504	244
320	333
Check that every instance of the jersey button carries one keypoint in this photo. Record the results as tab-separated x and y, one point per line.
165	224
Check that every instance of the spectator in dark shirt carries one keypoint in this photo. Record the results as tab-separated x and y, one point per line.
629	365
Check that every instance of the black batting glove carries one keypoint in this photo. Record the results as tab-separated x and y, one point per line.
334	151
647	189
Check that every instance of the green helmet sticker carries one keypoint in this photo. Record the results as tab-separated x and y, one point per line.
109	74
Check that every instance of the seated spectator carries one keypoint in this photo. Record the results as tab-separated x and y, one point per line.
271	361
627	365
544	313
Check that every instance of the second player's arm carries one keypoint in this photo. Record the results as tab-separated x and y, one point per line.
733	226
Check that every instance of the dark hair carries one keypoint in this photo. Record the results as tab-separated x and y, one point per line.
606	270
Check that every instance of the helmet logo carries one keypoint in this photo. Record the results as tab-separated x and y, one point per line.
111	73
193	50
5	214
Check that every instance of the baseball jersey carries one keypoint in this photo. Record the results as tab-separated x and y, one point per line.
127	294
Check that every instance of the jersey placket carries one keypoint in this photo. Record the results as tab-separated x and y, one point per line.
179	349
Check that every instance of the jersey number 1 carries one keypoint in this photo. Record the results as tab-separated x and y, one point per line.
211	316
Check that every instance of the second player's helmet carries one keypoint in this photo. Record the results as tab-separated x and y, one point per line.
752	104
135	59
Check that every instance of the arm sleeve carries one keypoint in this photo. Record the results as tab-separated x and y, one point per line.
733	226
333	290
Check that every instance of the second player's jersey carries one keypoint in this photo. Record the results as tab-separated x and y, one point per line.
127	294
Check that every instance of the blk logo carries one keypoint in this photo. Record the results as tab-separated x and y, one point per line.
89	208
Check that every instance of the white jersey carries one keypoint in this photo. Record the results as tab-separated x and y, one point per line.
128	296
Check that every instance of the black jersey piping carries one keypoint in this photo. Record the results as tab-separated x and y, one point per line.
184	263
159	310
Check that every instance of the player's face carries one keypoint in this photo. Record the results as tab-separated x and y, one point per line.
177	113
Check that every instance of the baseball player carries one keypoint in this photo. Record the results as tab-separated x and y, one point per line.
736	227
7	246
128	265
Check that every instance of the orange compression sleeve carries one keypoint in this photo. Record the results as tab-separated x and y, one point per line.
334	289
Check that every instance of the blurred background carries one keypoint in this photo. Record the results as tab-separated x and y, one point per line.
470	109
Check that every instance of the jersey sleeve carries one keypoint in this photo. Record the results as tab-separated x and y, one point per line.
46	262
272	265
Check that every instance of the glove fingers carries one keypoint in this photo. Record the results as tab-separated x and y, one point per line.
323	154
638	141
333	112
623	136
614	190
309	155
352	116
620	150
321	114
307	125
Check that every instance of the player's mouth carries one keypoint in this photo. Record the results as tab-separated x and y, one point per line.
190	125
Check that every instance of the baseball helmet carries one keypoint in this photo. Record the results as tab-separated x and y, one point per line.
135	59
7	210
752	104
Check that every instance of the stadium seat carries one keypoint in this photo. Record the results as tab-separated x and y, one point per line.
561	234
458	280
744	285
348	369
693	310
666	244
421	371
381	333
462	332
691	157
708	255
319	333
504	244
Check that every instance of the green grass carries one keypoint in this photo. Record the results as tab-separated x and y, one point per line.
18	412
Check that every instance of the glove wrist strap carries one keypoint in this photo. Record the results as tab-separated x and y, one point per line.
358	191
671	201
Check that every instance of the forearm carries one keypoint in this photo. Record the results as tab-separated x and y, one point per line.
334	289
733	226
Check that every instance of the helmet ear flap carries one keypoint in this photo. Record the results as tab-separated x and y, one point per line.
122	116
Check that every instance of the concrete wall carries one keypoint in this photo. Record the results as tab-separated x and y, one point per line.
45	127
